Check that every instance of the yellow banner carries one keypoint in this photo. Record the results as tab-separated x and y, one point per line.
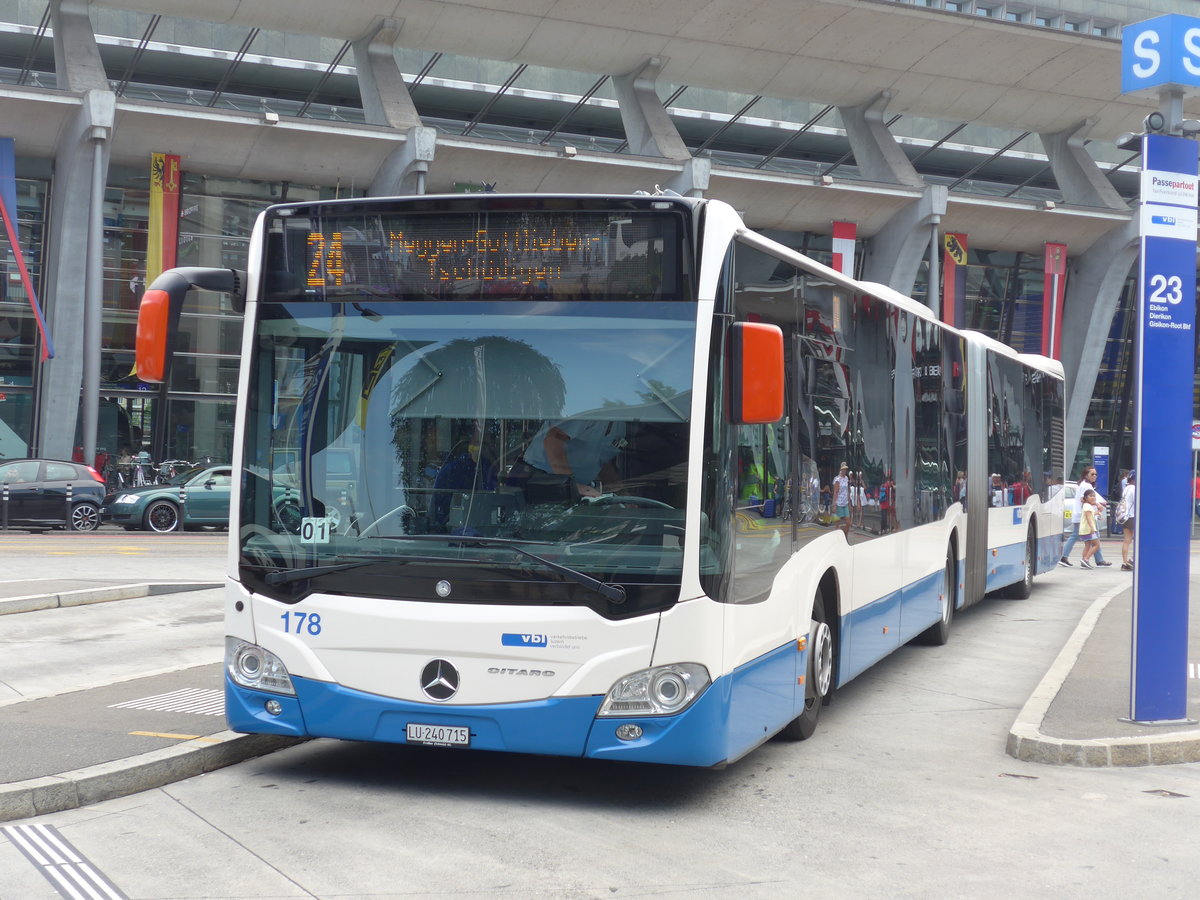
163	224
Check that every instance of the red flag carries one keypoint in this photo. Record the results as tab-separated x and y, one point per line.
1052	304
844	235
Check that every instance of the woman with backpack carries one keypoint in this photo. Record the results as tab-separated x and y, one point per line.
1126	518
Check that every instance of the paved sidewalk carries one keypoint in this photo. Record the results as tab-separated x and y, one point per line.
72	749
1075	715
75	748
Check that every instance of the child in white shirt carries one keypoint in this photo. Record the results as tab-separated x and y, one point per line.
1088	532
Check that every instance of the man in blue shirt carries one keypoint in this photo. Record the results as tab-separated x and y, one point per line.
581	449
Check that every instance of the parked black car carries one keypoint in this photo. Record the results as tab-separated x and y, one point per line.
37	494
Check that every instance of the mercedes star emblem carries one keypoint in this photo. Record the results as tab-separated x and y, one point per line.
439	680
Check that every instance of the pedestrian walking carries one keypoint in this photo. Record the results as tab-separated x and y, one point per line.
1087	483
1088	532
1125	515
841	497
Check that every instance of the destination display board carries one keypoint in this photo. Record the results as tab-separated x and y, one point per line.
542	255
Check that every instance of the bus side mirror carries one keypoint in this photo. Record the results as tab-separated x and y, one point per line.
153	328
756	389
158	313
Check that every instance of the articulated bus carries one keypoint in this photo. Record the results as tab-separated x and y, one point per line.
563	475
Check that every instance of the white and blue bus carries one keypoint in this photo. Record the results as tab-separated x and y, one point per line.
562	475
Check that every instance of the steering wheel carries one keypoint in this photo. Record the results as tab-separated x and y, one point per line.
626	500
288	515
402	511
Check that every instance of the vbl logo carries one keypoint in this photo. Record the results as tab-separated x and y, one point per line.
524	640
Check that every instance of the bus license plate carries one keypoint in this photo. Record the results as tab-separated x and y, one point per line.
439	735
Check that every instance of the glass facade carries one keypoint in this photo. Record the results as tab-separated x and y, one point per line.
215	219
236	67
20	345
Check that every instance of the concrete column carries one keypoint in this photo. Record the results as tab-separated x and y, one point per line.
385	96
648	128
386	101
210	435
693	180
894	255
1079	178
65	290
404	171
876	153
1095	280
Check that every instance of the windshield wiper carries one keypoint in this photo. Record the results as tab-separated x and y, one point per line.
283	576
611	592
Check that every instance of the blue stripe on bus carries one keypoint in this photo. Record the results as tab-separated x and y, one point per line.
558	725
871	632
1006	567
736	714
1049	550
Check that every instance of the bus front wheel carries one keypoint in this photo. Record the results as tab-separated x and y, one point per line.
818	675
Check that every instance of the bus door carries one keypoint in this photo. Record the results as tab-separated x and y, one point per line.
976	392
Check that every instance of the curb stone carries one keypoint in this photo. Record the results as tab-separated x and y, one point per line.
107	781
1027	743
35	602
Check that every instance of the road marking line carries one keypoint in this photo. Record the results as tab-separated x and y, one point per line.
177	737
201	701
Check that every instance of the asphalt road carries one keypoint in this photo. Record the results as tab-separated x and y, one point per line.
905	791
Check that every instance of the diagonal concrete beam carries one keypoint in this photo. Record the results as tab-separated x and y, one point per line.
648	128
876	153
1094	283
1079	178
385	96
76	54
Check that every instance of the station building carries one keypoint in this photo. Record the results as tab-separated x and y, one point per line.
961	151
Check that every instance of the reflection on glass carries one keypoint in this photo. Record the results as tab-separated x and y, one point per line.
374	421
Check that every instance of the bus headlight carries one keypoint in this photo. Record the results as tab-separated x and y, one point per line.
661	691
251	666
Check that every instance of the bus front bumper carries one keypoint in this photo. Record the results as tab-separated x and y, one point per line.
556	726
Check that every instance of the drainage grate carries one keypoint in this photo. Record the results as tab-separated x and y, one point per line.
201	701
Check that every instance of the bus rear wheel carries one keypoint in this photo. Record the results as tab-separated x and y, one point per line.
938	633
1023	588
818	676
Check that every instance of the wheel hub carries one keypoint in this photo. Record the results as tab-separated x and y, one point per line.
822	659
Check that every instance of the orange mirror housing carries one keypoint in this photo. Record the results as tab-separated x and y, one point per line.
757	366
153	327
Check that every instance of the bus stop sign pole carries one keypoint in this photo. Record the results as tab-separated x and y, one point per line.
1158	57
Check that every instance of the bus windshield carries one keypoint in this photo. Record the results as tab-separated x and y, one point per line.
382	434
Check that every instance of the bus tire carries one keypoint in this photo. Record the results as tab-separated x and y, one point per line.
938	633
1023	588
818	676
